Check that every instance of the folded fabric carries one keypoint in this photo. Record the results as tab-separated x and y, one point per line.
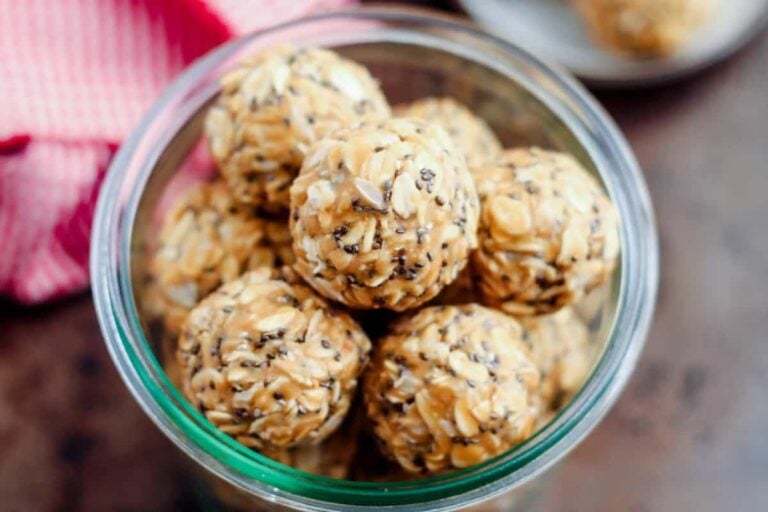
75	77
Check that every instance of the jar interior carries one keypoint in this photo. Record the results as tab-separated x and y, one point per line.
407	72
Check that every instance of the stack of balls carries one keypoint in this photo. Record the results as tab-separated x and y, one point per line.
327	204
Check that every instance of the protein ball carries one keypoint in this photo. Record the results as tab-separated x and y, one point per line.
644	28
450	387
273	106
269	362
207	239
383	214
471	134
548	233
592	307
561	348
332	458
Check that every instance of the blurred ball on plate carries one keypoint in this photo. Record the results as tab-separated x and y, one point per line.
644	28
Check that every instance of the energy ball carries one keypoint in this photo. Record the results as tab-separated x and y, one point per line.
332	458
450	387
269	362
644	28
208	238
561	348
273	106
383	214
470	133
593	306
548	233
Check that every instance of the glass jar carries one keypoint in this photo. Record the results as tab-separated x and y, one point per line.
414	54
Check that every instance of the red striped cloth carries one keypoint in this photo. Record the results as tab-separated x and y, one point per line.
75	76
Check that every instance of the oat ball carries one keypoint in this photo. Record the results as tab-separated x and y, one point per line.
269	362
644	28
273	106
471	134
548	233
593	307
450	387
332	458
207	238
383	214
561	348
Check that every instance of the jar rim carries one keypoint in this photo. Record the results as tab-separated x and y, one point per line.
248	470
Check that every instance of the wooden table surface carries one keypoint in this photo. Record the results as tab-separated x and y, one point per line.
689	433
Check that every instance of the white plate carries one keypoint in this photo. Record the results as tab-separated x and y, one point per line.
551	29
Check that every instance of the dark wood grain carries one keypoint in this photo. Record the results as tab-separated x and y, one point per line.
71	436
689	433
